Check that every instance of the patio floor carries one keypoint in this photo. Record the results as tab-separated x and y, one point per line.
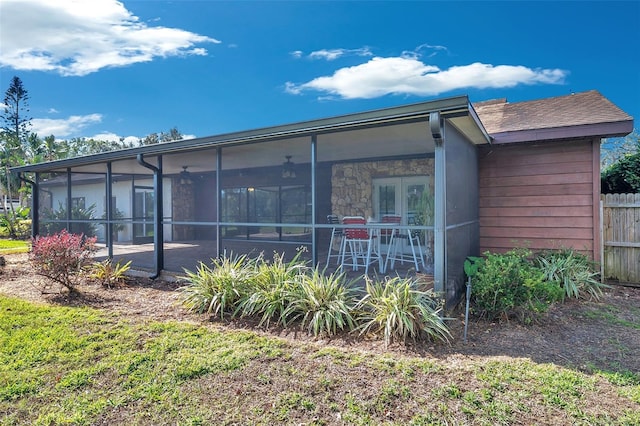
186	255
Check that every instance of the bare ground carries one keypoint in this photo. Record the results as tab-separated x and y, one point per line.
582	334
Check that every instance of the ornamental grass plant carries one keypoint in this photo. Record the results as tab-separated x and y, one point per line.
323	302
270	289
109	273
284	293
218	289
399	311
573	271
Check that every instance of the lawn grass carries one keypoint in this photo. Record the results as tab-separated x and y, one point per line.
63	365
14	246
610	314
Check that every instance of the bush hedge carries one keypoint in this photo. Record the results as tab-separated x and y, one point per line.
522	285
286	293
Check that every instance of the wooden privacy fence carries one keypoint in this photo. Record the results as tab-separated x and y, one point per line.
621	237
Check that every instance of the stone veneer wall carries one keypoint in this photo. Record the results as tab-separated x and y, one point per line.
352	183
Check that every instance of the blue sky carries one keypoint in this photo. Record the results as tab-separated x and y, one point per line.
108	69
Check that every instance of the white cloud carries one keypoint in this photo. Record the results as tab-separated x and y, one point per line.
112	137
76	38
432	49
408	75
53	111
74	126
63	127
131	139
333	54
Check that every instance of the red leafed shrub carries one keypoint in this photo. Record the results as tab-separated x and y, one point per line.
61	256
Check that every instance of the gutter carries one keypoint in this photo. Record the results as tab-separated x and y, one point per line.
158	235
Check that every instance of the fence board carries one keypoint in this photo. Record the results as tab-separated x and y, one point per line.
621	237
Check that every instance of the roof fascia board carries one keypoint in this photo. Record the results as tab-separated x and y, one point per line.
474	116
458	105
603	130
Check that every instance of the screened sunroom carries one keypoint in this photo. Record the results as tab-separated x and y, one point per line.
169	206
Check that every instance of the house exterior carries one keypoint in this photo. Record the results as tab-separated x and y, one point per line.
539	181
466	177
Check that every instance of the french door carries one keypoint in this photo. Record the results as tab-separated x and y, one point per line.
408	197
143	207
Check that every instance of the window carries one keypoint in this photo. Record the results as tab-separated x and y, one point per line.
77	203
269	204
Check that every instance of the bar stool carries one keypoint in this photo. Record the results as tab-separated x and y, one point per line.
395	247
361	244
336	236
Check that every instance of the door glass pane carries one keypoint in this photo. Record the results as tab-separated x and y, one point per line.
143	211
148	213
268	204
415	207
234	209
419	211
262	209
295	208
386	200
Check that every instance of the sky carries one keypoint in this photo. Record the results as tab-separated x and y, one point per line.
109	69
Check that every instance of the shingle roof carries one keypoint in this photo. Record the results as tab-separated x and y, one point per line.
579	109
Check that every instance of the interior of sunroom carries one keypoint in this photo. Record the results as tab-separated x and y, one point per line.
166	208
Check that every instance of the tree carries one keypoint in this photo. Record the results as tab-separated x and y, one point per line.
620	164
15	133
623	177
614	149
16	110
10	155
51	150
153	138
85	146
621	170
172	135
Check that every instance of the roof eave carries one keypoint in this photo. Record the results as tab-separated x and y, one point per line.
602	130
474	116
448	106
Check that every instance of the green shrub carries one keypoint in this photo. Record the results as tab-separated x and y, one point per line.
77	213
573	271
509	284
270	289
16	224
324	302
217	290
62	256
539	295
623	176
109	274
396	308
